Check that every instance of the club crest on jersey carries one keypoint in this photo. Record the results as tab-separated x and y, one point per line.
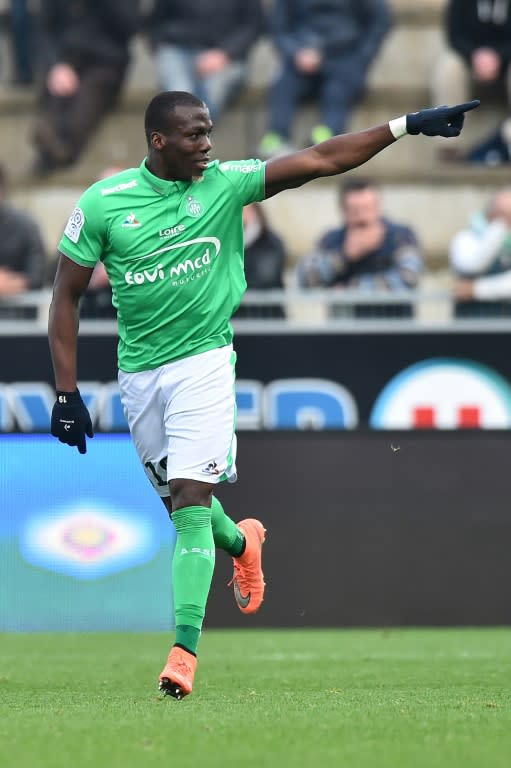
131	221
193	207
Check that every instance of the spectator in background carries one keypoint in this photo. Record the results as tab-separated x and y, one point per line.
480	258
203	46
368	253
478	52
494	149
22	253
22	29
325	48
86	55
265	259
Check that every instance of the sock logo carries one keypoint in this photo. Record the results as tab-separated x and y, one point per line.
197	551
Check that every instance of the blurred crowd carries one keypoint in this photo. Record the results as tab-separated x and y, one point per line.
73	56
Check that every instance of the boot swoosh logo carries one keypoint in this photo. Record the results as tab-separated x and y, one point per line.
243	600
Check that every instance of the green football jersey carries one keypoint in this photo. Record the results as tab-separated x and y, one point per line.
173	252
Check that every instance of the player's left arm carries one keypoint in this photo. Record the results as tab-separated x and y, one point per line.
347	151
71	281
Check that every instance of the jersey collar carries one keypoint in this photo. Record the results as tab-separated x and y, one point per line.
162	186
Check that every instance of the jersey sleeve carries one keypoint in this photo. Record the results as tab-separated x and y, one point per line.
84	237
247	176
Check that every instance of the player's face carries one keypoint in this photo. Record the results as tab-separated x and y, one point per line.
186	145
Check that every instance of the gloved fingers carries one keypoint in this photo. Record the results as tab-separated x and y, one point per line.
465	107
457	121
454	126
81	444
450	131
88	428
68	441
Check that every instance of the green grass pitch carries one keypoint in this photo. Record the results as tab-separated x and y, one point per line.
347	698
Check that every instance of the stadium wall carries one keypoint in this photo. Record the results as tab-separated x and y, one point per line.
364	529
349	380
378	461
376	529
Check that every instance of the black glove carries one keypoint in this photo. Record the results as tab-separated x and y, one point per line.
439	121
70	420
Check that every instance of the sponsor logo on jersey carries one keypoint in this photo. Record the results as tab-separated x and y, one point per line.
194	208
241	167
444	393
171	231
185	271
120	187
189	267
131	221
150	275
74	225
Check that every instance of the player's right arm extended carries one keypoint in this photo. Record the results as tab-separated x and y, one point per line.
344	152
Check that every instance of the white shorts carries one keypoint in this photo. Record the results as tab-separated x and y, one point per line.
182	418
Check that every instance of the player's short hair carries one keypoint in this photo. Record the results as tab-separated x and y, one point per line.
164	104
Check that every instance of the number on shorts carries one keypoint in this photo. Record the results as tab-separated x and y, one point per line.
159	472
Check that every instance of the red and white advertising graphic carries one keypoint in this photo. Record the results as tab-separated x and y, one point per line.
444	393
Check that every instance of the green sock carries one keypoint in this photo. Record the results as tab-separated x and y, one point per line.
187	637
226	533
192	570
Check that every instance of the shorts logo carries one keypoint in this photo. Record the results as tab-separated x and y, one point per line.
74	225
130	222
194	207
211	469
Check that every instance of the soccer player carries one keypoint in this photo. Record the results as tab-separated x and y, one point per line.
170	236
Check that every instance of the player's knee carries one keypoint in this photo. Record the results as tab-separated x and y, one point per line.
190	493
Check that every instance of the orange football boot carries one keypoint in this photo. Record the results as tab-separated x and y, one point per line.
177	676
248	578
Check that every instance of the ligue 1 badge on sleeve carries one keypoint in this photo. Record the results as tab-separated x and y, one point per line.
74	225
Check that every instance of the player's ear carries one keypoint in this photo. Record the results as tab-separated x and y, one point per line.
157	140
